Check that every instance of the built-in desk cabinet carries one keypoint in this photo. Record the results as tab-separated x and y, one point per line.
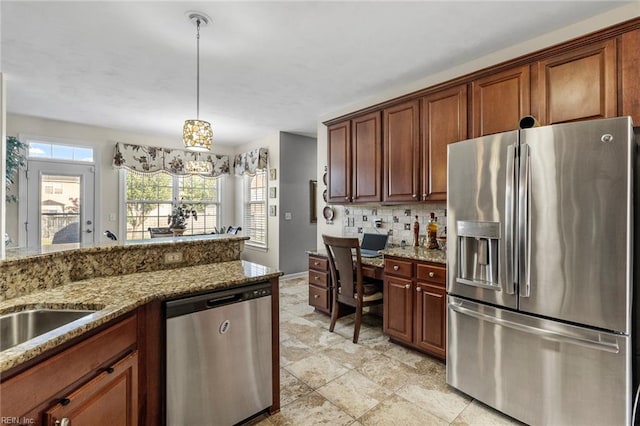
414	310
319	284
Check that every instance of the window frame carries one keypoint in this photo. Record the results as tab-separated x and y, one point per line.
175	191
246	202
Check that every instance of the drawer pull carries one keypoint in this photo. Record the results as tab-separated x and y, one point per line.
431	274
316	277
396	267
315	296
418	289
316	263
407	286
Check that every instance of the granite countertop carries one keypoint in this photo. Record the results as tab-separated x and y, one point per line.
409	252
114	296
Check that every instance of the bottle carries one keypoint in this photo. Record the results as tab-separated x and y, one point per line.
416	232
432	232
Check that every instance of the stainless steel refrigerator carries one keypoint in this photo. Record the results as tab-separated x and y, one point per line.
540	271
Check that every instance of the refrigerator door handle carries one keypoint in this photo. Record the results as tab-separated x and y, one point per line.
543	333
524	250
509	221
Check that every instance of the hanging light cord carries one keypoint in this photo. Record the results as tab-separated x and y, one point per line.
198	70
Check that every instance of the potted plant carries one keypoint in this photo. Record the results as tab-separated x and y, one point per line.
16	159
177	220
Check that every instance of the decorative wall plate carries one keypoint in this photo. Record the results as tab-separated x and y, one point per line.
324	196
327	212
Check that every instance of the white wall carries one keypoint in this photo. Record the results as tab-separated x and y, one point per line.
3	164
604	20
268	257
103	141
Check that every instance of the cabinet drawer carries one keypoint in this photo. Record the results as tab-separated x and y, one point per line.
434	274
319	297
318	263
398	267
318	278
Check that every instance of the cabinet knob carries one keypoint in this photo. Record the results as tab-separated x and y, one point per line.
315	296
64	422
414	195
407	286
346	198
431	274
316	263
65	401
316	277
418	289
424	196
396	267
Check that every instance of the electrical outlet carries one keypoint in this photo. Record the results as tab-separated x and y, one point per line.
173	257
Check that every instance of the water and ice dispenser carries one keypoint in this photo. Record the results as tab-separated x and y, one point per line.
478	253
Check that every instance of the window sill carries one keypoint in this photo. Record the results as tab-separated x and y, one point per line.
256	247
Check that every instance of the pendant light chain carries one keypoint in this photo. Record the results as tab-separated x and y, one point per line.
198	70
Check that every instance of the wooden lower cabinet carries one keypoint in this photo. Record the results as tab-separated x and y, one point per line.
415	305
92	382
109	399
319	294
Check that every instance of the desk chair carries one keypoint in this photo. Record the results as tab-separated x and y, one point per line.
349	286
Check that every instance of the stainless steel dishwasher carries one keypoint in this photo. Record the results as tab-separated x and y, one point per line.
218	356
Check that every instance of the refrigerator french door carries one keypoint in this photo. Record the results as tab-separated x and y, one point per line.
540	271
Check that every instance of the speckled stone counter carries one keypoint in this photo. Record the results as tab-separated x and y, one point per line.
31	272
415	253
114	296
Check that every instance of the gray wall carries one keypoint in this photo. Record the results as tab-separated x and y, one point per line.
298	158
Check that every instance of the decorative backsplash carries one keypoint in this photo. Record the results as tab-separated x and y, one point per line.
395	219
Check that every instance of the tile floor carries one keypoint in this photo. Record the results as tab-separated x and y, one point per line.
326	379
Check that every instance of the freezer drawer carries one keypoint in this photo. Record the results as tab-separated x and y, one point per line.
539	371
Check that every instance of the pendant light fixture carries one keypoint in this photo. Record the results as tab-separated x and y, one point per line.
197	134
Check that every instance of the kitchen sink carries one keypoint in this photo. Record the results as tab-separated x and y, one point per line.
18	327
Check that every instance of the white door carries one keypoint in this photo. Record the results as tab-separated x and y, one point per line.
60	204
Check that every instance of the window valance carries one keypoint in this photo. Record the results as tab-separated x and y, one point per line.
148	159
250	162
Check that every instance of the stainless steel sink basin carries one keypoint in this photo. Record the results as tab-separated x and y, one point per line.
18	327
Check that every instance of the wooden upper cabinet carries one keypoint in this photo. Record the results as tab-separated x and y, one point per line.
444	120
401	152
629	48
500	100
578	85
339	162
367	158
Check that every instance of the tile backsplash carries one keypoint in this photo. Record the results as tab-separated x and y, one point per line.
398	220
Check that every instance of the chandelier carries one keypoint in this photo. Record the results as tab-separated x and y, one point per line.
197	134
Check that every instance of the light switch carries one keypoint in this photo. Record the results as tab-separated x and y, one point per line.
287	216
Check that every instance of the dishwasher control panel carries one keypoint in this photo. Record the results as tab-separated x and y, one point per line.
252	294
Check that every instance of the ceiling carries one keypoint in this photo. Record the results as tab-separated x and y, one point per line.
265	66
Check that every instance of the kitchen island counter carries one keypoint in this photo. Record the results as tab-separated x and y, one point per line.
114	296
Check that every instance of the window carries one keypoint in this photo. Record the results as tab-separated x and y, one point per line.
255	208
52	151
149	200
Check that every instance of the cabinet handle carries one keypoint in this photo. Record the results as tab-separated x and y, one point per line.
431	274
407	286
418	289
64	422
396	267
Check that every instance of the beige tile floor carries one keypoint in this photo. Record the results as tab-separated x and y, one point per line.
326	379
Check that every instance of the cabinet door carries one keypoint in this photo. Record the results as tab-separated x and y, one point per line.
339	162
367	158
499	101
401	152
630	70
578	85
397	309
444	120
430	320
109	399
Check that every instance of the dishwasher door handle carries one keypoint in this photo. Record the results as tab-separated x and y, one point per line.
212	303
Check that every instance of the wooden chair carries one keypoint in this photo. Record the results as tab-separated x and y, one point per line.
349	286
